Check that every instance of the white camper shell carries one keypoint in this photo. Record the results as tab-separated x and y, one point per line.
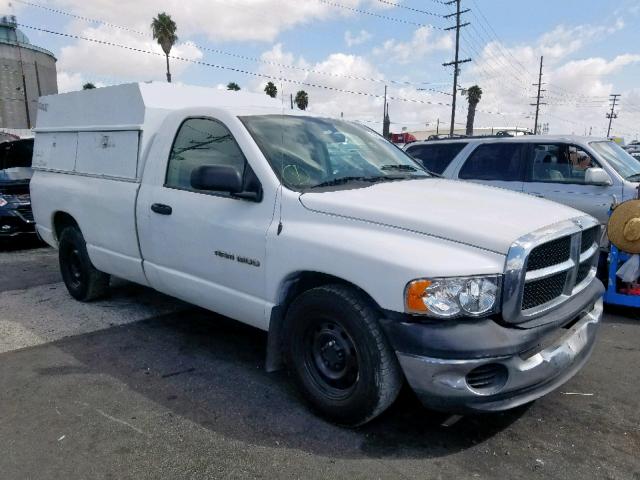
102	131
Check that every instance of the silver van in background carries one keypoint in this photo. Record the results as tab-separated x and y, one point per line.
585	173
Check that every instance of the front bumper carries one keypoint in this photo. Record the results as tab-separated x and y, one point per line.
16	221
449	384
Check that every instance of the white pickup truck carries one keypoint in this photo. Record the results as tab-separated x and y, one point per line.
365	270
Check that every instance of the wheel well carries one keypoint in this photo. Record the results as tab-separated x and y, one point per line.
300	282
61	220
294	285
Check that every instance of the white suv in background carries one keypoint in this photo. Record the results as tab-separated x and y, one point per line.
585	173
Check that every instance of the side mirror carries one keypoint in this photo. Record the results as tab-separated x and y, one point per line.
597	176
218	178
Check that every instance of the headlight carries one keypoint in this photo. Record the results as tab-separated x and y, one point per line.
3	201
453	297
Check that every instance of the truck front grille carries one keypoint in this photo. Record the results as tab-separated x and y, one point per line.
26	213
548	254
589	237
583	272
542	291
547	268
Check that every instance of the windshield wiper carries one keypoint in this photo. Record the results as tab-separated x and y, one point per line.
409	168
635	176
399	168
341	181
345	180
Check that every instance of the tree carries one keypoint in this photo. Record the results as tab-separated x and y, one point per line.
302	100
88	86
474	94
233	86
271	90
164	31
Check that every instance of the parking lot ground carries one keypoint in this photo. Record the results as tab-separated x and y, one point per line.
140	385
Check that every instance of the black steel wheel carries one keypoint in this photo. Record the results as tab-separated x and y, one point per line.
339	356
331	357
83	281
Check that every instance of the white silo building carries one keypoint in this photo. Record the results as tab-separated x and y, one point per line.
26	73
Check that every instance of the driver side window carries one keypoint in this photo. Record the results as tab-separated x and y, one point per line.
199	142
560	164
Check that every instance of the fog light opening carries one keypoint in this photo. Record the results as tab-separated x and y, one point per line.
487	379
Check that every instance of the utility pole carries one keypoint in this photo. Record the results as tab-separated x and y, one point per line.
613	114
457	60
384	109
386	122
537	104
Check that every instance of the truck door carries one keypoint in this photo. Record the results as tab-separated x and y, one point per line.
205	247
557	172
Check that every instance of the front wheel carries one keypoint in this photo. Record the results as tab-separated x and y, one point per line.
83	281
339	356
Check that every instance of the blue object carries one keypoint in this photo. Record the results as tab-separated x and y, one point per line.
611	296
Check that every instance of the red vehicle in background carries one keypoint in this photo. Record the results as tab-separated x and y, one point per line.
402	138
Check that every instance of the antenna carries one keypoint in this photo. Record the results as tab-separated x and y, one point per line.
280	186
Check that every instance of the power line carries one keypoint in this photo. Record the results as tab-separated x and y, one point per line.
233	69
80	17
500	61
406	7
255	74
495	35
493	74
377	15
244	57
506	52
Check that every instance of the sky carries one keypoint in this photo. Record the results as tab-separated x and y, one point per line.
344	52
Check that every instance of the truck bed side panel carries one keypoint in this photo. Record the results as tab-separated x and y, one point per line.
104	210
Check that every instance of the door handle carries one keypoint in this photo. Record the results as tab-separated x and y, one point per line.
161	209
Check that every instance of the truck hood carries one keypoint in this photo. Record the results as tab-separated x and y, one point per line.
485	217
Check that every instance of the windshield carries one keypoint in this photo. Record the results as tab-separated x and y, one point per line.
311	152
623	163
16	174
15	160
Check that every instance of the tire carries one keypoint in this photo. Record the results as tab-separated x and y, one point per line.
81	278
338	355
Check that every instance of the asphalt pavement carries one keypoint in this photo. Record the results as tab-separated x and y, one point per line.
140	385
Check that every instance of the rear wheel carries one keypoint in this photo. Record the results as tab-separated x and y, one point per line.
339	356
83	281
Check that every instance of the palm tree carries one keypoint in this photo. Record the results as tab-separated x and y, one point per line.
233	86
164	30
88	86
302	100
474	94
271	90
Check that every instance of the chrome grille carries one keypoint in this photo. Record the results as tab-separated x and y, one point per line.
547	267
26	213
548	254
544	290
589	237
583	271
